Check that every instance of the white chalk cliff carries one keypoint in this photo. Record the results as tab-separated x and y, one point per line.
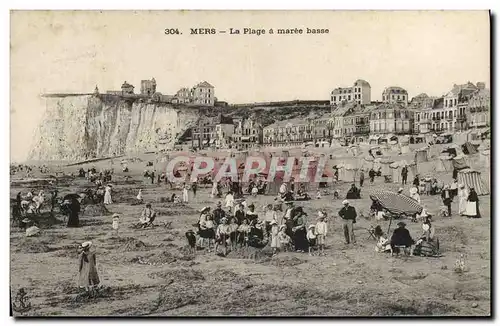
87	126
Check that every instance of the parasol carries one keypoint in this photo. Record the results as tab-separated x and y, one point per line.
396	203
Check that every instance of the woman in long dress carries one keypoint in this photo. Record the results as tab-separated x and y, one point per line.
472	209
215	191
88	277
463	194
107	195
185	194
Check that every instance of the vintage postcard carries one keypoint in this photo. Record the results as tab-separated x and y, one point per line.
250	163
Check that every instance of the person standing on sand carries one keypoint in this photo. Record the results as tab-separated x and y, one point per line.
194	187
274	237
473	205
463	193
88	277
404	175
116	220
185	194
107	195
348	215
215	190
73	206
447	198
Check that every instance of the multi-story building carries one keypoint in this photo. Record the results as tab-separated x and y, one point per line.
321	128
202	94
148	87
183	96
287	133
478	109
208	130
359	93
395	94
357	123
247	134
127	88
391	118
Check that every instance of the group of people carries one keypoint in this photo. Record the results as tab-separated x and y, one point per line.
426	245
239	224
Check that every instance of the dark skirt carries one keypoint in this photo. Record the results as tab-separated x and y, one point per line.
300	240
73	220
207	234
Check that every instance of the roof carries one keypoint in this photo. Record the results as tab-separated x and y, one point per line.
395	89
438	103
361	82
391	106
283	123
204	84
343	109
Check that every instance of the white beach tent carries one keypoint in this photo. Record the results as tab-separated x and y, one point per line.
444	163
422	154
397	167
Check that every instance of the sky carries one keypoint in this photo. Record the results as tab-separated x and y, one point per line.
73	51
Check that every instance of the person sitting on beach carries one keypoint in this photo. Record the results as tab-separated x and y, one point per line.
428	244
383	244
353	193
288	196
147	216
401	238
302	194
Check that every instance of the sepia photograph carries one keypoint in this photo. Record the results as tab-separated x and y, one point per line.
206	163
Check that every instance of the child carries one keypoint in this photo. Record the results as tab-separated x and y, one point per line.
116	219
321	232
269	217
185	194
233	228
255	191
336	194
311	237
283	238
243	231
274	237
318	194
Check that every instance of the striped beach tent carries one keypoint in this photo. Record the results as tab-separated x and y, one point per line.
472	179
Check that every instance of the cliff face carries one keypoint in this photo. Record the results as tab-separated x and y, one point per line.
86	126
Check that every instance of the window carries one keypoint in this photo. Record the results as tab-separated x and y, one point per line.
403	97
399	97
334	98
455	102
393	97
349	97
383	97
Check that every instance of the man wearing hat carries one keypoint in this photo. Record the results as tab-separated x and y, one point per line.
447	198
251	213
348	215
218	213
88	277
401	237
